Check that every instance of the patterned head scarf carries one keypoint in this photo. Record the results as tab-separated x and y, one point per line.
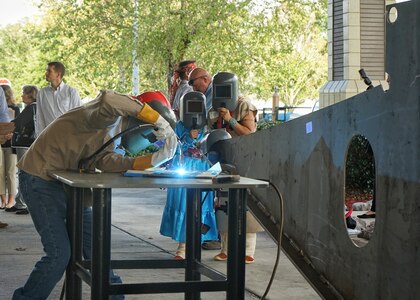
184	69
5	81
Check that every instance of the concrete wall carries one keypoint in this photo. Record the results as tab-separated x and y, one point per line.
305	158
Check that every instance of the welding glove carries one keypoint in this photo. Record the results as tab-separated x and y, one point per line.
142	162
164	132
149	115
164	129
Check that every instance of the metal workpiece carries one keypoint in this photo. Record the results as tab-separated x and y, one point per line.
305	158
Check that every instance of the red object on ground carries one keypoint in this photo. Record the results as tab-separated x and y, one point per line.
356	196
348	214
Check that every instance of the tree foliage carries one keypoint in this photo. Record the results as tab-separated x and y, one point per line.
360	165
266	43
20	56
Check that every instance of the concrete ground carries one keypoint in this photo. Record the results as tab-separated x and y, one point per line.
135	233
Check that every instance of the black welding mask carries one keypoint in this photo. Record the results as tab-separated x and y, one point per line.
210	140
193	111
225	91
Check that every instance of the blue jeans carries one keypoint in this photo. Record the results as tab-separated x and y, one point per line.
47	204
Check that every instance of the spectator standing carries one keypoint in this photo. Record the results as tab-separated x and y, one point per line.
23	137
180	84
4	118
56	98
201	81
8	170
4	114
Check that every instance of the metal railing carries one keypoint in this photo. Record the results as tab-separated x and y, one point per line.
282	113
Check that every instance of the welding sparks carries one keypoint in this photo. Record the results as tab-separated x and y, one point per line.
181	171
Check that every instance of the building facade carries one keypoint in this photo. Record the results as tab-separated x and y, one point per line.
356	40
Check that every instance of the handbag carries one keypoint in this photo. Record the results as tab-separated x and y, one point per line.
24	134
24	138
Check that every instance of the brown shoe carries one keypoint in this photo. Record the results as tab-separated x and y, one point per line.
2	225
220	257
249	259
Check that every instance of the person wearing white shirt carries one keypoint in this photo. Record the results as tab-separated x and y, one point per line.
55	99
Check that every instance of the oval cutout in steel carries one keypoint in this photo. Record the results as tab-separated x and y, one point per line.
359	200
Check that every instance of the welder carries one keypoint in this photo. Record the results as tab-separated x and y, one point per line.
69	139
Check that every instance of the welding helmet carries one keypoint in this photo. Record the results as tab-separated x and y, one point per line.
225	91
208	143
158	101
193	110
142	138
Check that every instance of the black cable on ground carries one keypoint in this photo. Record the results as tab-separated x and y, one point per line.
63	290
273	273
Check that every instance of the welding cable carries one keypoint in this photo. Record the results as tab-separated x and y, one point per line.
204	156
279	237
83	165
181	155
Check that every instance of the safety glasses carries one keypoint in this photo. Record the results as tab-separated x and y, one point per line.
191	81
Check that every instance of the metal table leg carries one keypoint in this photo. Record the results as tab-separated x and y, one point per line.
73	285
101	243
193	239
236	244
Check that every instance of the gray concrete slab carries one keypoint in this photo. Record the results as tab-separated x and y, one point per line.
135	234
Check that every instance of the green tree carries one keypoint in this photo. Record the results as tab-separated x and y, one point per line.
265	42
93	40
20	57
290	50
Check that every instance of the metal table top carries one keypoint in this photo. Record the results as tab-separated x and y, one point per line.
117	180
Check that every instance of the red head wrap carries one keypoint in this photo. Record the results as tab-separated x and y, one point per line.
5	81
184	67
